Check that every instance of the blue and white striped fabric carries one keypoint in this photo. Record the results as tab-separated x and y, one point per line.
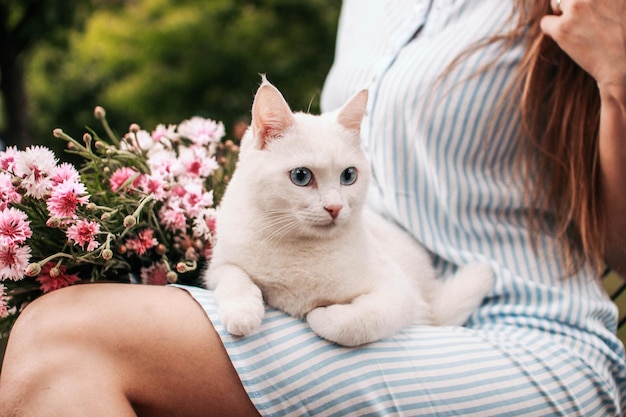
442	155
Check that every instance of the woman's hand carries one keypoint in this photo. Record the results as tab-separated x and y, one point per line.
592	33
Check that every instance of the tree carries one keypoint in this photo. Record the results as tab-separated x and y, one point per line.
24	23
160	61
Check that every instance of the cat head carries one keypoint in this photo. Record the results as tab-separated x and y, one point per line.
308	175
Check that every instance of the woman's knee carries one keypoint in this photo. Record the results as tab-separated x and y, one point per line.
145	342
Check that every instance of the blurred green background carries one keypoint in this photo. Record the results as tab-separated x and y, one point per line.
154	61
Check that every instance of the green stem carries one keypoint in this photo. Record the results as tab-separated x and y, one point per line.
109	131
56	255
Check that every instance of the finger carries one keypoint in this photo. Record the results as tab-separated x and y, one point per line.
549	25
557	6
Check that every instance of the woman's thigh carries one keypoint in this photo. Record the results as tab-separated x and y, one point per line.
106	344
153	346
493	369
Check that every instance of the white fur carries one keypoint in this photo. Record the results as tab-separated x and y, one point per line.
357	277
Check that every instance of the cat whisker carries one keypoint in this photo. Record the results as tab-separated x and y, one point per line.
280	224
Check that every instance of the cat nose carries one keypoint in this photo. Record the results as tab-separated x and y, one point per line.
333	210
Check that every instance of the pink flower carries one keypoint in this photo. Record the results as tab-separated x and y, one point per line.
34	166
52	277
208	251
84	233
13	261
163	134
14	227
161	161
172	217
196	199
145	240
155	274
204	224
4	302
65	172
195	162
153	184
7	159
65	199
120	176
8	193
201	131
178	191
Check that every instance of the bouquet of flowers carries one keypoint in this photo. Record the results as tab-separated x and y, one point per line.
140	209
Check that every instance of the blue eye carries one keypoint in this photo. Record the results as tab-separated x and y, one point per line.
301	176
348	176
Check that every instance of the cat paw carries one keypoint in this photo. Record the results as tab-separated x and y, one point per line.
334	323
241	316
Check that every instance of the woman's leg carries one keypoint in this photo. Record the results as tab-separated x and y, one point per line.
118	350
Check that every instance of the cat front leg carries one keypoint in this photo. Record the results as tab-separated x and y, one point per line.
369	317
239	299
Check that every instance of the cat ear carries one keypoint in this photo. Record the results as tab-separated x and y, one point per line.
351	114
271	114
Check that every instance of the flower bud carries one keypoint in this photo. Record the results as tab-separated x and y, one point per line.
32	270
172	277
134	128
57	133
87	138
161	249
186	266
183	267
191	254
107	254
55	272
53	222
91	206
105	216
99	113
129	221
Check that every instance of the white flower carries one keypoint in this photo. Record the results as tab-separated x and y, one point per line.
164	135
194	162
161	160
201	131
203	223
35	166
195	198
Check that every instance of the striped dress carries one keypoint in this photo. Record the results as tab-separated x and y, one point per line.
442	156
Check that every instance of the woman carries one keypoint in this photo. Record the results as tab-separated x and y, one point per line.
452	164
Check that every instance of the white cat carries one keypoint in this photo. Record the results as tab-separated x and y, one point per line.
292	230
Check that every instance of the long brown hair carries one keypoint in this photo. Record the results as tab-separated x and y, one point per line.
560	112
